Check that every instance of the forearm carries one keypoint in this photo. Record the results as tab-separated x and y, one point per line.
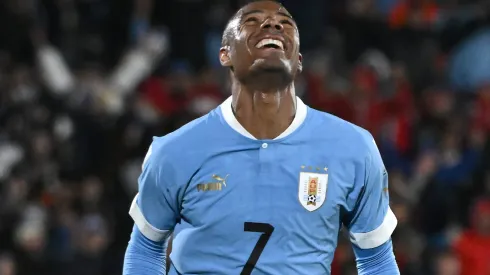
379	260
143	256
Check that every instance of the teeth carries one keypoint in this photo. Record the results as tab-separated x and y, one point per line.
267	41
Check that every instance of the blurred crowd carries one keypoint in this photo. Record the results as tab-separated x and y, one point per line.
85	84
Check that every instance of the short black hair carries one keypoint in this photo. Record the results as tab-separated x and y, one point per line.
227	33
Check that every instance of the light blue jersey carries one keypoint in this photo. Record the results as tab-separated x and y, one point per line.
263	206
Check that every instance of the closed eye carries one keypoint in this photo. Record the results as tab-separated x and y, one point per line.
251	19
287	22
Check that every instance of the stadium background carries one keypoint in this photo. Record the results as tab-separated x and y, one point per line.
85	84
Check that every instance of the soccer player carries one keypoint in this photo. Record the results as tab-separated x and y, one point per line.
262	183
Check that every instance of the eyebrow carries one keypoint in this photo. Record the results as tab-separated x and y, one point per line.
260	11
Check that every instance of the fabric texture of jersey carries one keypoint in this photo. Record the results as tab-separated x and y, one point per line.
238	205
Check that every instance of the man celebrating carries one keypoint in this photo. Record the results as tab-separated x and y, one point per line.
263	182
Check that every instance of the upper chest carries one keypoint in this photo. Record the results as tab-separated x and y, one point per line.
271	181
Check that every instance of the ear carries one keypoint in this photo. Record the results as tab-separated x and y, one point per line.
300	62
224	56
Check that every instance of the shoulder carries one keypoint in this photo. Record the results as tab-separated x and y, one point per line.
177	155
355	140
186	137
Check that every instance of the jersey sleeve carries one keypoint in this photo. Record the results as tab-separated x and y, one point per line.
155	208
371	222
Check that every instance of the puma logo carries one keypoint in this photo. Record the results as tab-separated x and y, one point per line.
213	186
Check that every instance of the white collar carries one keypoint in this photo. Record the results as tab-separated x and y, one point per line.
229	116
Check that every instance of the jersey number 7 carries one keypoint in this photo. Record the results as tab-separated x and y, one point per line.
266	230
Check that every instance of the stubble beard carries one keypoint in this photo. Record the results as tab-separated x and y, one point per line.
268	78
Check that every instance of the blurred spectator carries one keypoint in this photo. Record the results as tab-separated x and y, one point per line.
414	13
473	246
93	239
7	265
447	264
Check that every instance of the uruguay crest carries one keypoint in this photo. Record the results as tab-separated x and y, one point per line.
312	190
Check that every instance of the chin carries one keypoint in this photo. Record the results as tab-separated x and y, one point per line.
265	66
270	64
266	75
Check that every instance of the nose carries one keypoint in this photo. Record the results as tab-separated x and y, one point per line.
272	24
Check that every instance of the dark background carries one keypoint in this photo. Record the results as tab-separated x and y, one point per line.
85	84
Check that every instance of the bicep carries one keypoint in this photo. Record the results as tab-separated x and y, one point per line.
154	209
371	221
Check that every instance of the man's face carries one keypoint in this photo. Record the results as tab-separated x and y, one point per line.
265	41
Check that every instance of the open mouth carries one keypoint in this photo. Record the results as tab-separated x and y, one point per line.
268	43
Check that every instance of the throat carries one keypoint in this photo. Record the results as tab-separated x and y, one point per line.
267	115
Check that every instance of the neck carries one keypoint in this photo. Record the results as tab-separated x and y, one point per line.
264	114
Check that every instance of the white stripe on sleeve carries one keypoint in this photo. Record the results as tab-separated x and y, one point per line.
144	226
379	235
